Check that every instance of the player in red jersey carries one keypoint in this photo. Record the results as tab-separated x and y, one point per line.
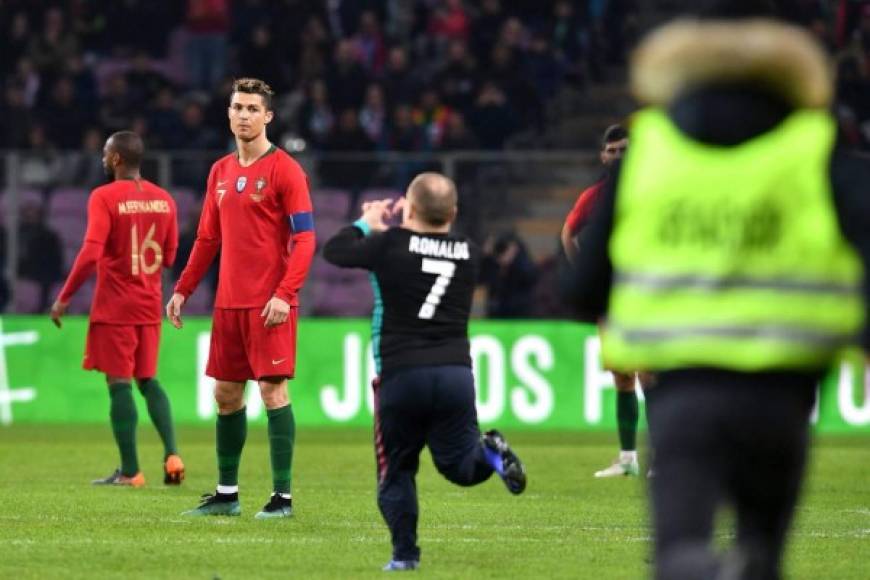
256	203
132	235
613	145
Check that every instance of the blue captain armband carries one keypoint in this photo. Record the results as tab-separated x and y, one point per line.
301	222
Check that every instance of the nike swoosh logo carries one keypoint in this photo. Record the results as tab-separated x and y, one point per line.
277	362
221	183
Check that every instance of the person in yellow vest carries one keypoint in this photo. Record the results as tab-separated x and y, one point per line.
728	255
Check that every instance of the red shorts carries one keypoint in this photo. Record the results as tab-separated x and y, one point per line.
122	350
242	348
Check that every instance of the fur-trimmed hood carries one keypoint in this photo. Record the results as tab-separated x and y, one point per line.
691	54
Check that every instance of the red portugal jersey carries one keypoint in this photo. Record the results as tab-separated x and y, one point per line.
252	214
132	235
579	214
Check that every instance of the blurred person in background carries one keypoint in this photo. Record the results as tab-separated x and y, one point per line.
40	254
727	255
207	25
509	275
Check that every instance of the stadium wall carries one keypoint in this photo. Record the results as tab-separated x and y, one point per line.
533	375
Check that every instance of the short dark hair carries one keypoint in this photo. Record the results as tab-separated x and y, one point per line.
254	87
613	133
435	198
129	146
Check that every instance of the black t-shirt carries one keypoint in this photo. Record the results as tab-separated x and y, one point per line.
424	284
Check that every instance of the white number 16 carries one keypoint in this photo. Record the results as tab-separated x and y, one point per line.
445	271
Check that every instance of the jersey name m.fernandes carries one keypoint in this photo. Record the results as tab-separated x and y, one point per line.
452	250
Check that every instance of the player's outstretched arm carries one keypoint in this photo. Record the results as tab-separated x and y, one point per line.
353	247
173	309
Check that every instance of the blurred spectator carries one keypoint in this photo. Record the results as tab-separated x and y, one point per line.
14	41
63	116
40	164
27	77
345	79
507	70
404	134
260	57
492	119
84	166
195	135
165	122
83	80
207	24
457	137
313	51
354	174
88	22
509	275
545	69
487	27
40	256
144	80
457	80
118	106
315	118
15	119
450	21
368	42
373	116
49	49
400	82
431	116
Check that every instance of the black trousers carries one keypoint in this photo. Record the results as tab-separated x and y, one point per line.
414	407
725	437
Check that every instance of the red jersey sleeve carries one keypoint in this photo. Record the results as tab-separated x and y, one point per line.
292	186
206	245
99	226
582	209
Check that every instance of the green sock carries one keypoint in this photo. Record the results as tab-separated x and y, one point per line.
123	415
160	412
232	430
282	433
626	417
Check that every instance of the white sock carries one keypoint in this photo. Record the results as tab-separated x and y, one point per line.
627	456
283	495
225	489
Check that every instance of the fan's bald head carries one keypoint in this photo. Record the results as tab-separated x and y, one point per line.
434	198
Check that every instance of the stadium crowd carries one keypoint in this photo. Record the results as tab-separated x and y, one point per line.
354	75
365	76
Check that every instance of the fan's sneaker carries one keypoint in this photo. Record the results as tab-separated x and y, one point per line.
118	478
401	565
620	469
173	470
277	507
216	504
512	471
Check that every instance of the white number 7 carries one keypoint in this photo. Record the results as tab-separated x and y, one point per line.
445	271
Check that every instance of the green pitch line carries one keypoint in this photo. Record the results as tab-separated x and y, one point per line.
566	525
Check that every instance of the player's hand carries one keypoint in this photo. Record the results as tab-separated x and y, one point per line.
275	312
58	309
375	214
173	309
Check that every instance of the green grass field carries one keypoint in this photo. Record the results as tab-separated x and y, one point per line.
53	524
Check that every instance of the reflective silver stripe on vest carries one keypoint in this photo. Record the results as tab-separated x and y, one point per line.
780	333
666	282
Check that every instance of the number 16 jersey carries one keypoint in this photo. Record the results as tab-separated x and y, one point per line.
132	235
423	284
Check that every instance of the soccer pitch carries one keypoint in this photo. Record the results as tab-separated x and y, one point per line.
566	525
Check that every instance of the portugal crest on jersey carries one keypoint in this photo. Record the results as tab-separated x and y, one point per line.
260	184
241	182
